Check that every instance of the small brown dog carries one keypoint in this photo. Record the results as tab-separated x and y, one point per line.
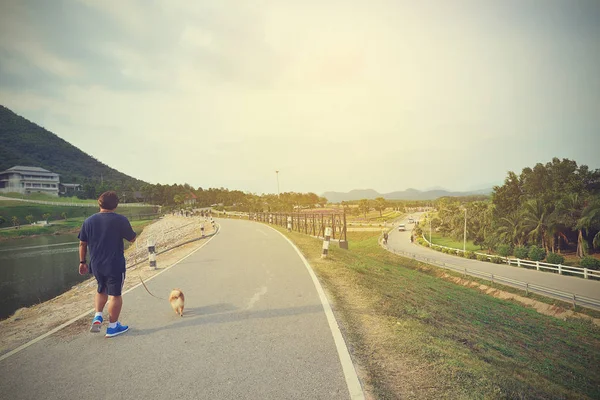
177	301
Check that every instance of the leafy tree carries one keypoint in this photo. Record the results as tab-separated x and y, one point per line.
64	215
45	216
380	205
322	202
364	206
15	221
29	218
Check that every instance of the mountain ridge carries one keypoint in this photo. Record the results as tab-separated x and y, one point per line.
26	143
407	194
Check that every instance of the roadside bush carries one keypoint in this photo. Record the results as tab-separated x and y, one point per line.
461	253
481	258
470	255
504	250
536	253
521	252
554	258
590	262
496	260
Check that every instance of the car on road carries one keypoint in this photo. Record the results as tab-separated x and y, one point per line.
401	228
411	220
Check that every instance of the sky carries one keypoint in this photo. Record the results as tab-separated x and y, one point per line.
336	95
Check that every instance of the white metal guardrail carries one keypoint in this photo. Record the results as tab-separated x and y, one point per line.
576	300
540	266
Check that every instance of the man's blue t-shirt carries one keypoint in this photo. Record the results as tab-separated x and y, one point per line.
104	233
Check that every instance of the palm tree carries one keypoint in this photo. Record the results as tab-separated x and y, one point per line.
569	210
535	220
590	218
510	229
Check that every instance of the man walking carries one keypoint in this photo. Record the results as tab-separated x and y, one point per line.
103	234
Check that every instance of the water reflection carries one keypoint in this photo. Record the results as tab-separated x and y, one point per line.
34	270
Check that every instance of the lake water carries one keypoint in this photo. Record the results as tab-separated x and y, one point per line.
33	270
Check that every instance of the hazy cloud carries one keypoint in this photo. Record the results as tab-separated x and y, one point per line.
336	95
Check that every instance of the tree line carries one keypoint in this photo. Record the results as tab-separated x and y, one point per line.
554	206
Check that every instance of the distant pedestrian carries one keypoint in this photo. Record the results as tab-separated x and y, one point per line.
103	234
385	237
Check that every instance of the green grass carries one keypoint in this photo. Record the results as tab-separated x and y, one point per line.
10	208
61	227
437	339
373	216
436	238
45	197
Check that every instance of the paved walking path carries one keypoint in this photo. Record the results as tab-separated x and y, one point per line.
254	328
400	241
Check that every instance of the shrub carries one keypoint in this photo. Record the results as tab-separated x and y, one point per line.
521	252
481	257
461	253
554	258
590	262
470	255
536	253
504	250
496	260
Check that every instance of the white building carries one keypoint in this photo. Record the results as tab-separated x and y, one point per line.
25	180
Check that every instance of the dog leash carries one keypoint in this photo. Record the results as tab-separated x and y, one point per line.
150	293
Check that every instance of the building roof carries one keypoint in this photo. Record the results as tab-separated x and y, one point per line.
20	168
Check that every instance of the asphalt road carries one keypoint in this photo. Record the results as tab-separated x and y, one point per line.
584	287
254	328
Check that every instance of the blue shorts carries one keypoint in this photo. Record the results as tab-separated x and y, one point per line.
110	284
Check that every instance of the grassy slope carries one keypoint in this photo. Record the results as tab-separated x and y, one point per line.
44	197
419	336
20	209
436	238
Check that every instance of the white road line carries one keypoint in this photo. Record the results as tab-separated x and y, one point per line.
258	230
77	318
352	382
256	297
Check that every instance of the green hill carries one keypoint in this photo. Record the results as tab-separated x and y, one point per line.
25	143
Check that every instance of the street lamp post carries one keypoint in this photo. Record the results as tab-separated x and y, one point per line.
430	229
465	235
277	173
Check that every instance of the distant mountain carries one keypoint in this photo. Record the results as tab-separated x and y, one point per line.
408	194
24	143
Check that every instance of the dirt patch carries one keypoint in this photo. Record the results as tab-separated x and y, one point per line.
28	323
542	308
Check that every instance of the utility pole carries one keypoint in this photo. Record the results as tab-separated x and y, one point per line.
465	236
277	172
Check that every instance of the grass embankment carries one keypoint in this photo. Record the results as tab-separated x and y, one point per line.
75	217
419	336
438	239
44	197
374	217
